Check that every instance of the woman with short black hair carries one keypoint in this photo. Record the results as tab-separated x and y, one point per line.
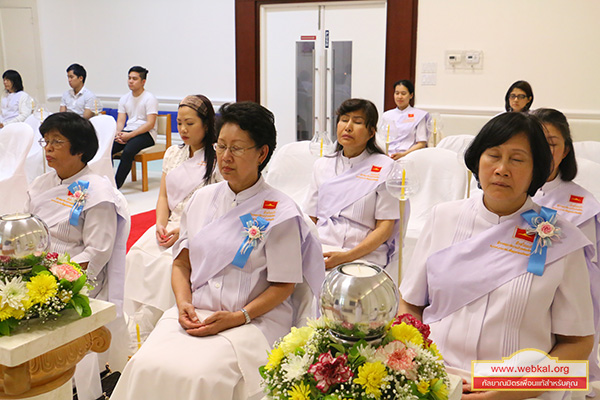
85	216
242	248
405	125
478	276
347	198
16	105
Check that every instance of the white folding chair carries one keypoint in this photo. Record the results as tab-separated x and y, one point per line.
36	162
106	127
441	178
587	175
456	143
589	149
290	170
15	142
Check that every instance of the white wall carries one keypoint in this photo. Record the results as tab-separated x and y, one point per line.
553	44
187	45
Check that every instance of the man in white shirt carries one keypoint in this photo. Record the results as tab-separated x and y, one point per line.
139	109
79	99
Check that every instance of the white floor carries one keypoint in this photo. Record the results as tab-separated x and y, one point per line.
143	201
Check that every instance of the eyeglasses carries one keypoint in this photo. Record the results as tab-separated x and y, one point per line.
234	150
517	96
57	144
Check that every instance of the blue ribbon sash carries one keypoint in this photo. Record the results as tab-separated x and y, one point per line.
539	248
79	190
249	243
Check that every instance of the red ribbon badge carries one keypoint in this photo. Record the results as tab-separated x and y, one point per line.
270	205
576	199
522	234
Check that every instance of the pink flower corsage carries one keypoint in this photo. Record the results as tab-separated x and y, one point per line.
254	234
547	231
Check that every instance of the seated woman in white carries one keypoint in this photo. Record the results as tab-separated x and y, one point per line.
472	278
242	248
186	168
405	127
16	105
92	231
347	197
573	203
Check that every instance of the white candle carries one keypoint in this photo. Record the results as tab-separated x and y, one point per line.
361	271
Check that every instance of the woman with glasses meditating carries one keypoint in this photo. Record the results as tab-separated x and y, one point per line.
496	273
519	97
242	248
85	216
186	168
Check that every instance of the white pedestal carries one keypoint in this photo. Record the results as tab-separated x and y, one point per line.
39	358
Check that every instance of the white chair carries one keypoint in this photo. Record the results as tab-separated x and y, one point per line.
441	178
105	127
589	149
36	161
290	170
587	175
456	143
15	141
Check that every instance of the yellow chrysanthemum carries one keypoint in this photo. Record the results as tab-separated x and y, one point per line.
423	387
370	377
438	389
275	357
299	392
6	312
433	347
18	313
41	288
407	333
296	338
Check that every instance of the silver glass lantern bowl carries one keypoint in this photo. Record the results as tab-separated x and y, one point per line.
22	234
357	301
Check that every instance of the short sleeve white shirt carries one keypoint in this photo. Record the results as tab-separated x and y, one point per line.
78	103
138	109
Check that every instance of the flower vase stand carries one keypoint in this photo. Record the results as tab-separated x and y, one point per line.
38	360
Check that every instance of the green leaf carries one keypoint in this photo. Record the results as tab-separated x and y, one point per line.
81	304
4	328
338	347
38	269
263	372
78	284
65	284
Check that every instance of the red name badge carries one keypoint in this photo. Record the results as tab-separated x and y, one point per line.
375	168
576	199
411	115
522	234
270	205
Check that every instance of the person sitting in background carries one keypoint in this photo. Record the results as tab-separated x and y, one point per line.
406	126
139	109
573	203
347	197
472	276
16	105
186	168
519	97
242	248
79	99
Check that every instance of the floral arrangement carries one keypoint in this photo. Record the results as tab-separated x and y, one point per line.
309	364
51	283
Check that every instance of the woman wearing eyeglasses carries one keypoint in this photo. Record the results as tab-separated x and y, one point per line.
242	248
186	168
519	97
85	216
15	105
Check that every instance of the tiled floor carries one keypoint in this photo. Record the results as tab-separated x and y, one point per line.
137	200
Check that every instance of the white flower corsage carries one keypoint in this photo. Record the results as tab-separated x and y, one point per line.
547	231
254	235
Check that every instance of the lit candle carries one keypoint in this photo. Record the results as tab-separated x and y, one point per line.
41	114
403	184
139	339
32	105
95	106
321	154
434	125
359	271
387	140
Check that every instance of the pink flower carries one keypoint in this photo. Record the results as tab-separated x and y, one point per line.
253	232
4	259
545	229
399	358
65	271
52	256
77	194
410	320
330	371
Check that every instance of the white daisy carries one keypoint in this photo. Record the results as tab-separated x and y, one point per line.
295	366
316	323
13	293
367	351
